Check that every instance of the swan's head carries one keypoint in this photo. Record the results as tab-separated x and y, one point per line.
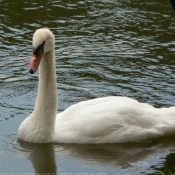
43	42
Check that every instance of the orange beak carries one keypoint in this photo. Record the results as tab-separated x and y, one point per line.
34	63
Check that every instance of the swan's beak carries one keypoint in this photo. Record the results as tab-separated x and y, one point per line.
34	63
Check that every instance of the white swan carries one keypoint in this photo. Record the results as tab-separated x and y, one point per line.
102	120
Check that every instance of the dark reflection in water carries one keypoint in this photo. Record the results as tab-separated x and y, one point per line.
103	47
42	157
123	156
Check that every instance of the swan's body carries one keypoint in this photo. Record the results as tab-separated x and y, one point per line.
102	120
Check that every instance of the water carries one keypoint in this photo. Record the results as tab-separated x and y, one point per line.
103	47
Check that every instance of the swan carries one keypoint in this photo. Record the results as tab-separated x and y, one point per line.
113	119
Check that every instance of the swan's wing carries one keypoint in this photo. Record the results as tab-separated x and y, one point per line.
112	119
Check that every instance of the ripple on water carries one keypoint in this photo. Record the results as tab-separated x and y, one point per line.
103	47
16	98
107	44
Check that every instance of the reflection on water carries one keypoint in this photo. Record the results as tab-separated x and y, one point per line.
42	156
119	157
103	47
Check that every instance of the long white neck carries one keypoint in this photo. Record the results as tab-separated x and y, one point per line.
47	99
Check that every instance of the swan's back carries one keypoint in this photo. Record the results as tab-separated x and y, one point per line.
113	119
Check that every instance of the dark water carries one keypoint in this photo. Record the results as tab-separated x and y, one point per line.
103	47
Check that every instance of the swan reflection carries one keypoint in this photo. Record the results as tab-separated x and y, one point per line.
43	156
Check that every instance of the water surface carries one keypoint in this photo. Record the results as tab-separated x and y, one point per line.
103	47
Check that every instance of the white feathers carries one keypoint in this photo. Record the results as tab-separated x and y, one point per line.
113	120
102	120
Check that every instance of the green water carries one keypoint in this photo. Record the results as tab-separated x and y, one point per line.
103	47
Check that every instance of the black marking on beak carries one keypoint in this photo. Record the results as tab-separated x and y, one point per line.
39	48
31	71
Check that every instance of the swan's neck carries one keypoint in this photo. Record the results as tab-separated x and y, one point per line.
47	99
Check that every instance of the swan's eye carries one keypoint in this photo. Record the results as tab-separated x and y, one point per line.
40	48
